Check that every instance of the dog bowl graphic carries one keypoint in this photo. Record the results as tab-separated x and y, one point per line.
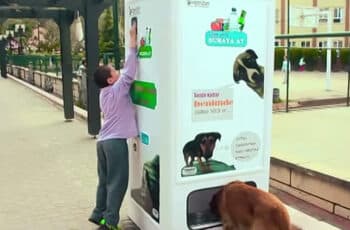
189	171
212	165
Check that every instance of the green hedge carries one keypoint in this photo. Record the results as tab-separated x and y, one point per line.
315	58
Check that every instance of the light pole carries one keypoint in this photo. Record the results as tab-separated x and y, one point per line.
329	47
20	29
288	56
38	37
10	35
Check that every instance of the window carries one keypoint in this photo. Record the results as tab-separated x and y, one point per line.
338	44
323	15
338	15
277	16
322	44
277	43
305	44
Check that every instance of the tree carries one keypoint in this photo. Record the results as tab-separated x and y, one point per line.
121	15
106	41
51	37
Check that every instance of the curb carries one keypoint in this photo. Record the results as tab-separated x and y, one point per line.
79	112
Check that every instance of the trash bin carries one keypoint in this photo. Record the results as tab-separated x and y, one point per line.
276	95
30	78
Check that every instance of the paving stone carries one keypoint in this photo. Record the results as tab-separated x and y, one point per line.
48	170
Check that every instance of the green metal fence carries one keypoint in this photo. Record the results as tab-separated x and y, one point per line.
52	63
44	63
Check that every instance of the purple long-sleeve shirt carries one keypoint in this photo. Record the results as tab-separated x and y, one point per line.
116	105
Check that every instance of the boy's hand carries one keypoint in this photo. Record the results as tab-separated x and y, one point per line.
133	37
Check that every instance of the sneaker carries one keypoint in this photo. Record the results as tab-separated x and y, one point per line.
109	227
102	227
102	221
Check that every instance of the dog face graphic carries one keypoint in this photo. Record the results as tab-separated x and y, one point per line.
207	143
246	68
203	145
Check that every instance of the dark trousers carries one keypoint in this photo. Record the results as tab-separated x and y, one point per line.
113	175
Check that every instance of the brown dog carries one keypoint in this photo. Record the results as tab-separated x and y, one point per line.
244	207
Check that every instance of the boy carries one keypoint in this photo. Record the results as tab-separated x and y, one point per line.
112	150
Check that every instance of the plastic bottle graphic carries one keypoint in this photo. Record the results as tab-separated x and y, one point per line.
233	22
145	50
241	20
226	24
148	36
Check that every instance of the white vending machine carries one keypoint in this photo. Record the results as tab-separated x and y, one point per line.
203	95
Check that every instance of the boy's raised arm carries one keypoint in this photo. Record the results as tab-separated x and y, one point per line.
129	70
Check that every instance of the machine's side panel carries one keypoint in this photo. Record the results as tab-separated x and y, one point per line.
151	94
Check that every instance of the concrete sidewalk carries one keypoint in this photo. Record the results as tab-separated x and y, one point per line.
314	139
311	85
48	166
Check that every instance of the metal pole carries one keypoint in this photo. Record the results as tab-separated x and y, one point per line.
288	58
348	96
329	56
116	35
313	35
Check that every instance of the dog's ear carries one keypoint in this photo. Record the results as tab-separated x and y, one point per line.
252	53
251	183
199	137
215	135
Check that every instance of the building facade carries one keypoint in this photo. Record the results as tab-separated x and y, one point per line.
313	16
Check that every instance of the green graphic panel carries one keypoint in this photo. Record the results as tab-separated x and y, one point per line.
144	94
145	51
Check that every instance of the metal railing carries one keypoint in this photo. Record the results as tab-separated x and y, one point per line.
43	63
288	37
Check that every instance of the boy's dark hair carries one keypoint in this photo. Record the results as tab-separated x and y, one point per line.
101	75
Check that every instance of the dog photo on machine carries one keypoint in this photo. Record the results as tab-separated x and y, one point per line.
198	155
242	206
246	68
